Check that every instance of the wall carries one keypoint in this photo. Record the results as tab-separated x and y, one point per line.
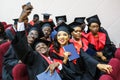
107	10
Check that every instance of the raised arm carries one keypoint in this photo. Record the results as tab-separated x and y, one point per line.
20	44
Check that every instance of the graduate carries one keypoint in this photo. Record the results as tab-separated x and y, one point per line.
83	68
61	19
46	17
98	40
3	49
46	28
11	59
81	21
35	20
10	32
37	61
78	39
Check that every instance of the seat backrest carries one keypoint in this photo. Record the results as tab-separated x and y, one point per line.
106	77
117	53
20	72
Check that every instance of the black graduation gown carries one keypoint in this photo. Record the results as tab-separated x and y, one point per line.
10	60
84	69
108	50
109	46
36	64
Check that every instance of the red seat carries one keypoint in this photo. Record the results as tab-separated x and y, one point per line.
115	63
20	72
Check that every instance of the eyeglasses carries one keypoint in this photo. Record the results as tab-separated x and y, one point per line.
32	34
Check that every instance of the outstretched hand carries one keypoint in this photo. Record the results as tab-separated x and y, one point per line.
105	68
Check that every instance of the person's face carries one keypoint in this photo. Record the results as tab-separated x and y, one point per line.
63	38
42	48
94	28
77	33
46	31
35	19
32	35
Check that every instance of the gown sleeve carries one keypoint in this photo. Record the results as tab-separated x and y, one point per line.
91	64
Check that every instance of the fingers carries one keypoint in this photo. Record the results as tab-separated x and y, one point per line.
103	58
67	53
51	67
107	69
26	12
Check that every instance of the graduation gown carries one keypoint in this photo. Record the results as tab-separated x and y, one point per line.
83	43
10	60
3	49
83	69
109	45
36	64
99	44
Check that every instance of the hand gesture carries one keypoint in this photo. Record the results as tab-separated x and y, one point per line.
105	68
52	67
26	10
66	55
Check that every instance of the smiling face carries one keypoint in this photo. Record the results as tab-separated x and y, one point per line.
42	48
32	35
77	33
63	38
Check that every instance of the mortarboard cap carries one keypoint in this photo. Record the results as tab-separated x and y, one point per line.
93	19
64	27
47	24
61	18
15	21
35	15
74	24
33	28
37	40
80	20
46	15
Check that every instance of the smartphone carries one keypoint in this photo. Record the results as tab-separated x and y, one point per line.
28	5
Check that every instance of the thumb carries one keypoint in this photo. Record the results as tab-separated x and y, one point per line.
47	69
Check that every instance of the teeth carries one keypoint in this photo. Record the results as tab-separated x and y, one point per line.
61	40
42	48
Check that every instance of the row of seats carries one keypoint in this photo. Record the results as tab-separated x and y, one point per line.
20	72
115	63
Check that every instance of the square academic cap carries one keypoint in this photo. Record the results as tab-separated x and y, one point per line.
15	21
80	20
74	24
93	19
46	15
47	24
37	40
64	27
63	18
